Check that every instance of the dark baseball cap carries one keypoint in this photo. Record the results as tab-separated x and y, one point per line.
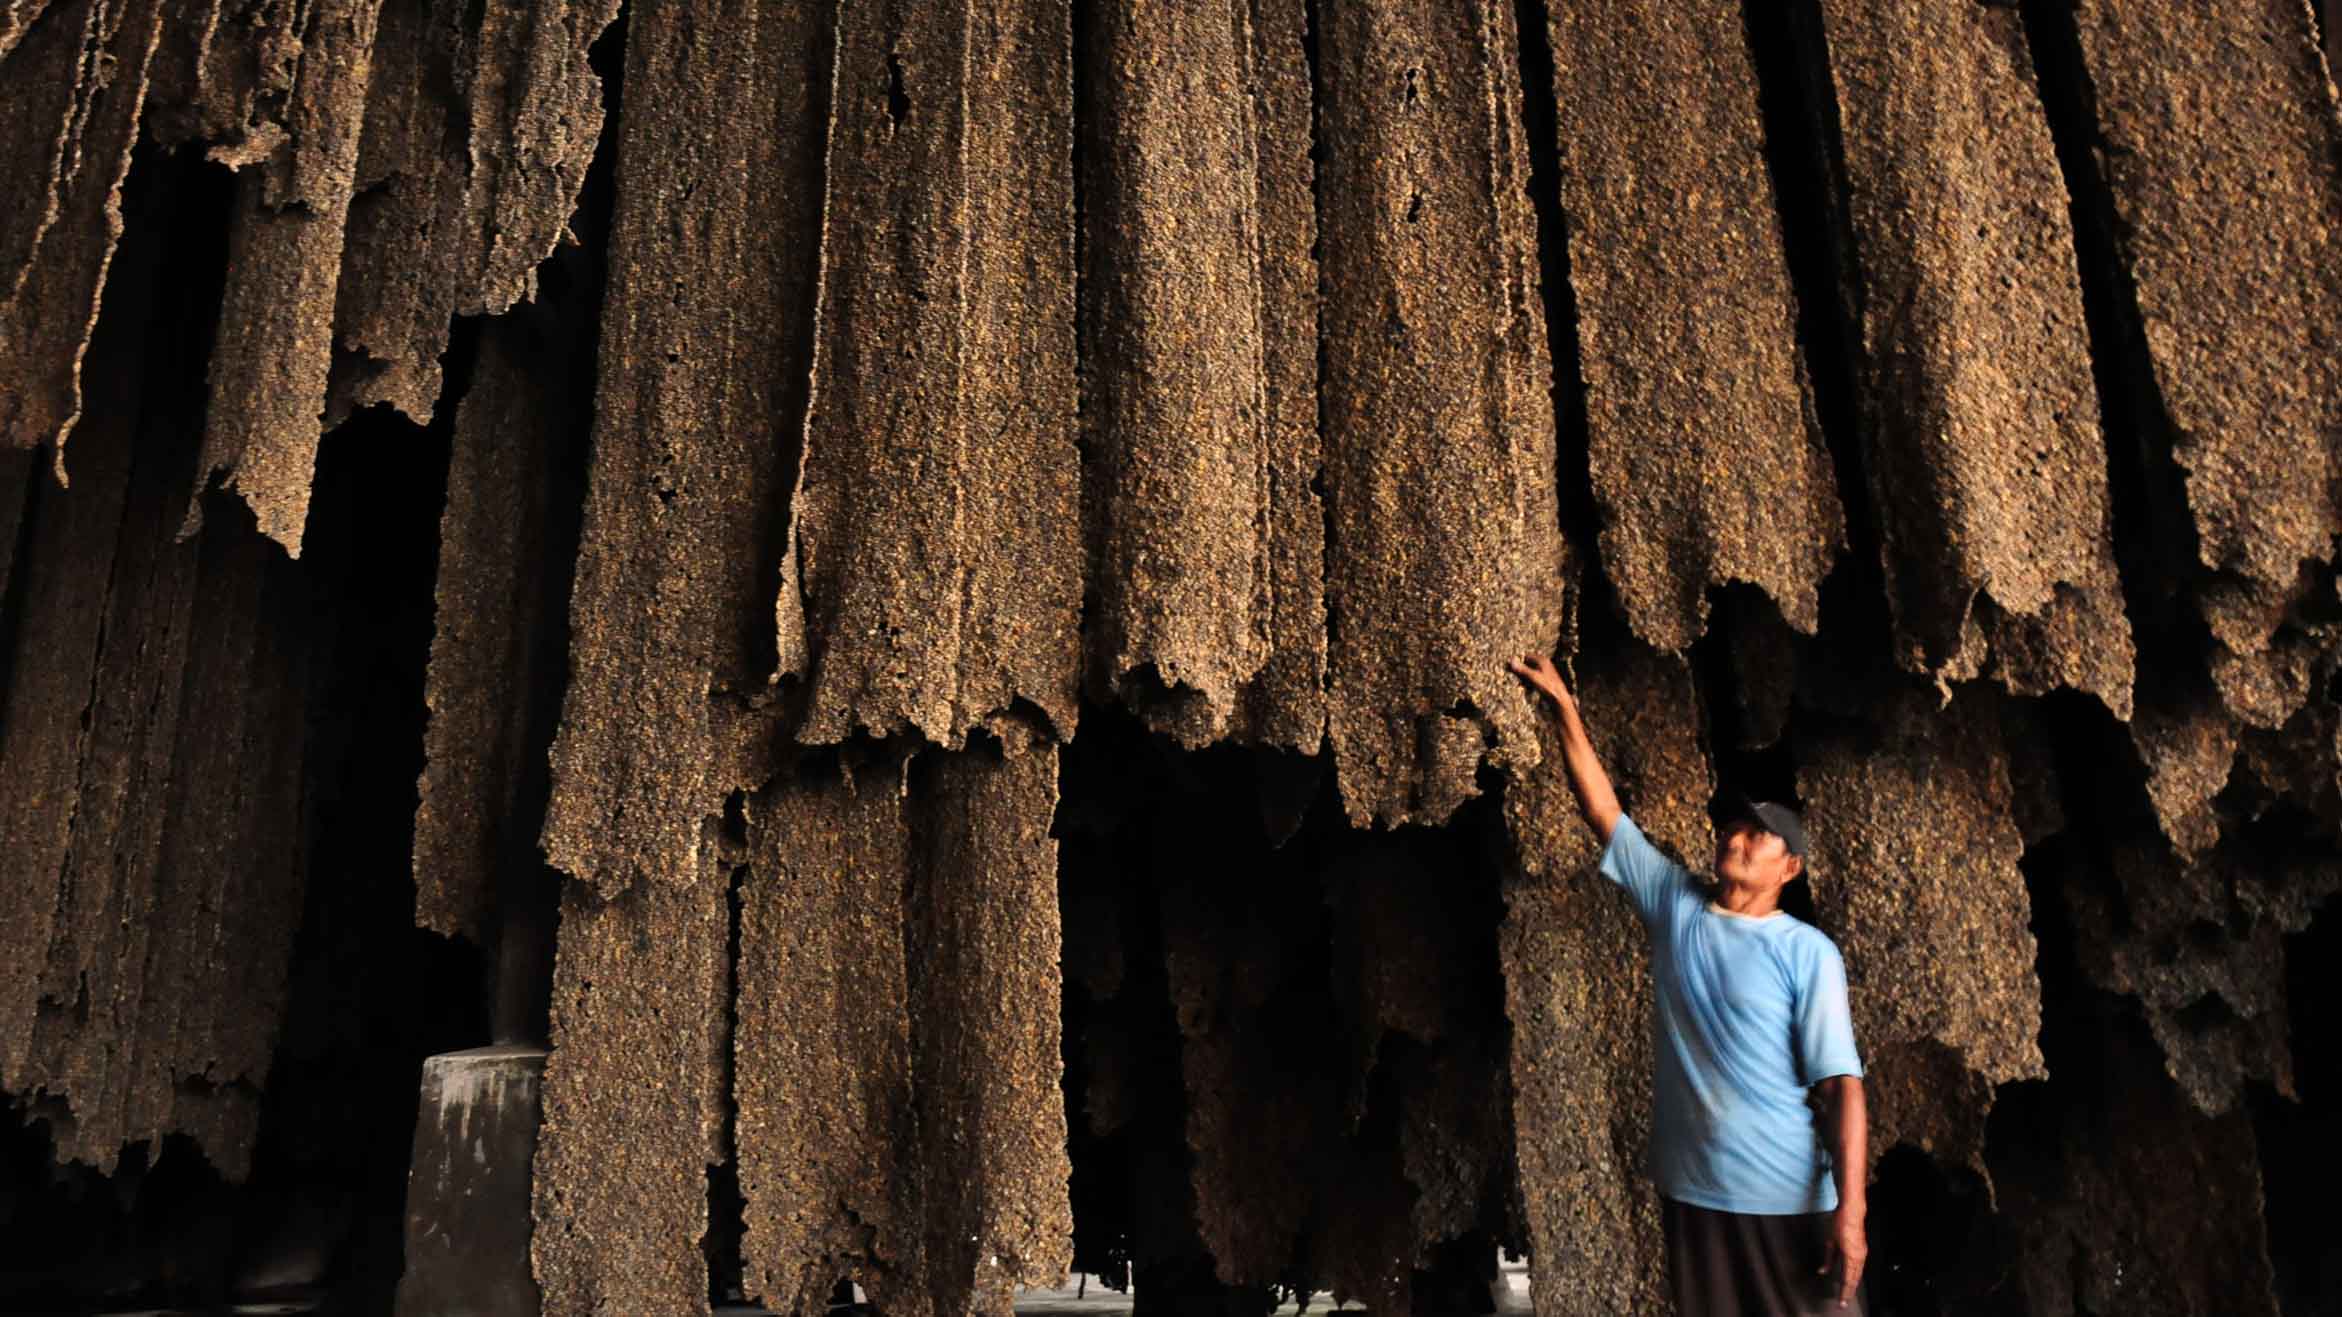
1778	819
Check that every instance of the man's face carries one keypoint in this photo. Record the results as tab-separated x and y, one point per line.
1751	858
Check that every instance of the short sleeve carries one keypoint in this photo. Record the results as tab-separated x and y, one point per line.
1825	1025
1649	877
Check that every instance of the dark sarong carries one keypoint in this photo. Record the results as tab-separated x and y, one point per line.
1726	1264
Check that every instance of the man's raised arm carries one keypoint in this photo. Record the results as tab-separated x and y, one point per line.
1595	798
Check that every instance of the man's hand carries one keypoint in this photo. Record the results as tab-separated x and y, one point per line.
1848	1248
1847	1112
1538	671
1596	799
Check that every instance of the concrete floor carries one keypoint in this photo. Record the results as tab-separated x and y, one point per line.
272	1308
1512	1297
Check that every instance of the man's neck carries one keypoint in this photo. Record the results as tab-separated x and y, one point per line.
1755	903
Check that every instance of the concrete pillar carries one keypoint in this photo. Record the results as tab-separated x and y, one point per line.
468	1186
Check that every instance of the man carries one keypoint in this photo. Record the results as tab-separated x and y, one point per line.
1763	1218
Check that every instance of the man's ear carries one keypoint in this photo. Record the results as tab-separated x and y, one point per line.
1796	868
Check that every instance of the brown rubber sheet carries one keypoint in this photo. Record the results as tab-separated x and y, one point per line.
1444	549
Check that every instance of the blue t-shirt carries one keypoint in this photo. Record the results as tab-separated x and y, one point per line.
1749	1012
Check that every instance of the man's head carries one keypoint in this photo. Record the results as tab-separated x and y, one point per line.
1760	846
